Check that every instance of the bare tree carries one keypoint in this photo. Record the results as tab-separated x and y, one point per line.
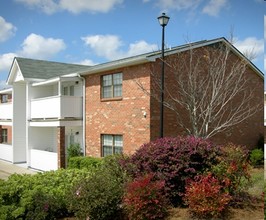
207	88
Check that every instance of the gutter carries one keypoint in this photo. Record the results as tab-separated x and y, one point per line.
83	114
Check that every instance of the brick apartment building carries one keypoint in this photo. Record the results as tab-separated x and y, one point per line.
108	108
121	114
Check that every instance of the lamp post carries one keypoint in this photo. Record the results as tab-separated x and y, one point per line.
163	20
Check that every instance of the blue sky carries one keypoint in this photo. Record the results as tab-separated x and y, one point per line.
96	31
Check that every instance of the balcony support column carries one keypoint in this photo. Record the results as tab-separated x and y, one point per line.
1	134
59	88
61	150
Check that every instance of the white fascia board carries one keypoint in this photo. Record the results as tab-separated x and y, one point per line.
46	82
116	65
13	71
6	91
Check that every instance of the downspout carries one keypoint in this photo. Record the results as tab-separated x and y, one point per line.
28	107
83	113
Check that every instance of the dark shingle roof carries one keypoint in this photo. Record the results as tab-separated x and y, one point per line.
41	69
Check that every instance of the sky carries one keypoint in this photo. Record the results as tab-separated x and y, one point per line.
91	32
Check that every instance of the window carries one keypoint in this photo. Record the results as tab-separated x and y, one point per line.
4	135
112	144
68	90
112	85
4	98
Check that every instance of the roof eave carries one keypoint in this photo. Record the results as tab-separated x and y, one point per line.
116	65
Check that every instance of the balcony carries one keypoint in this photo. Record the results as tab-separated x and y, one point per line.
6	111
58	107
43	160
6	152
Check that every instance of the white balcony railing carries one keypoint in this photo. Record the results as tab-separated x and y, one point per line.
6	111
56	107
6	152
43	160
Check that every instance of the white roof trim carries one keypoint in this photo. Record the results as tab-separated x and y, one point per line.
70	77
151	57
6	91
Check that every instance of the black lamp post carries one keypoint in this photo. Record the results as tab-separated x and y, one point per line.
163	20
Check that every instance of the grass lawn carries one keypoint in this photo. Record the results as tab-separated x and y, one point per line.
254	212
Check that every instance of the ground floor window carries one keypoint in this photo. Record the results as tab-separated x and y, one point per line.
4	135
111	144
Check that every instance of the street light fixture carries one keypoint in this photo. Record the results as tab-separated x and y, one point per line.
163	20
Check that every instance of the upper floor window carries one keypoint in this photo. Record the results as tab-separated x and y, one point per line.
112	85
4	98
68	90
111	144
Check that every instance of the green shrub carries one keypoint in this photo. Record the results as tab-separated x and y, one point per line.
144	199
233	169
39	196
205	196
74	150
256	157
99	197
88	163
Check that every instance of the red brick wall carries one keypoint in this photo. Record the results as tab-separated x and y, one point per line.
61	150
125	116
118	117
9	133
246	133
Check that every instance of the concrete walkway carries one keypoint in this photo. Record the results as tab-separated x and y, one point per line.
6	169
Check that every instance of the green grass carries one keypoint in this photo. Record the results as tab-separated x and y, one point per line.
257	180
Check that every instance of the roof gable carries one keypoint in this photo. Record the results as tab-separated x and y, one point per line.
40	69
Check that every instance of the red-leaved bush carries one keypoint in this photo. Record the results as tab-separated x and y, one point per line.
173	160
205	196
233	171
144	199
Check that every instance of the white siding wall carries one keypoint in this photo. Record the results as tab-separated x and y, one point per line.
77	137
43	91
43	138
19	122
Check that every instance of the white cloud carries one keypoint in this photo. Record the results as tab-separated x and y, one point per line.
78	6
140	47
178	4
214	7
6	61
265	28
7	30
251	47
109	46
47	6
41	48
73	6
34	46
3	84
104	45
87	62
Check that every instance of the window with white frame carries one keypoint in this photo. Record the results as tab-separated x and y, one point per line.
4	98
68	90
111	144
4	135
112	85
